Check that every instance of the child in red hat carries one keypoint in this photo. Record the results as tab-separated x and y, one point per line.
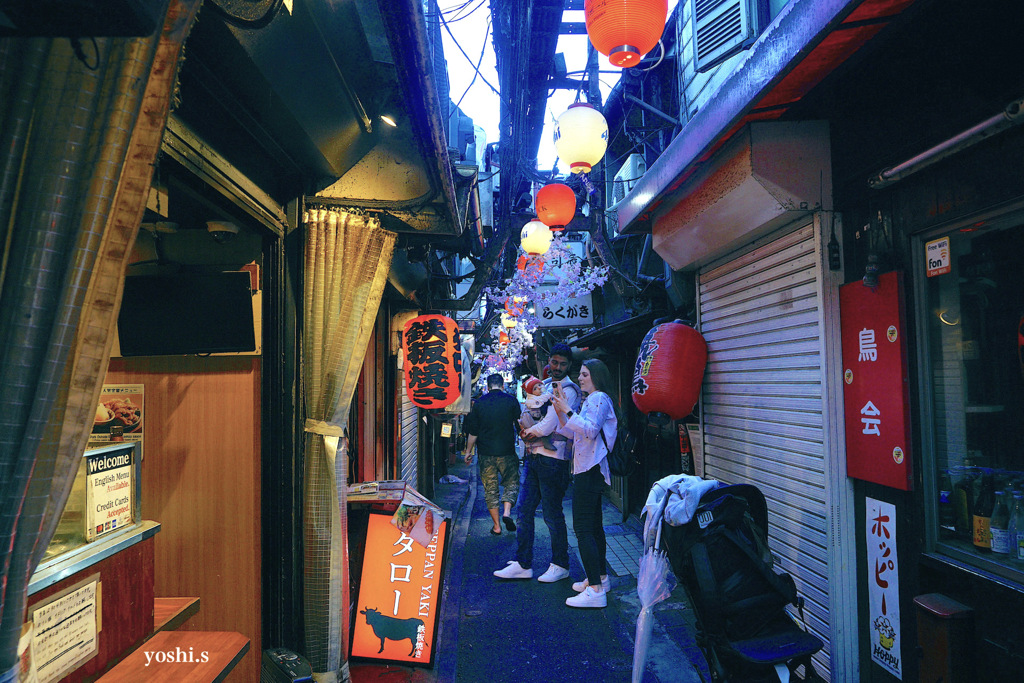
537	402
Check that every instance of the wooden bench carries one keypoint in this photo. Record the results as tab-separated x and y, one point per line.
170	613
181	657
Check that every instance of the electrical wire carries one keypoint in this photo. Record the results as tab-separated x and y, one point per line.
476	69
468	59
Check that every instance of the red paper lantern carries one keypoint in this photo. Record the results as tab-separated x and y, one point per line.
669	371
625	30
556	205
532	268
503	337
433	360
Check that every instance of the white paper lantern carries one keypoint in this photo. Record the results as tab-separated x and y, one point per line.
535	238
581	137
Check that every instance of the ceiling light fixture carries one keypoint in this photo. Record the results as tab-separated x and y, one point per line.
388	120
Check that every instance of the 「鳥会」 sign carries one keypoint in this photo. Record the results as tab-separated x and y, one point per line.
399	595
876	391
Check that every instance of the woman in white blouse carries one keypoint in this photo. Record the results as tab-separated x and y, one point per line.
590	475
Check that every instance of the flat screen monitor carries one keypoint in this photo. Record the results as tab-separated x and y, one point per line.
186	314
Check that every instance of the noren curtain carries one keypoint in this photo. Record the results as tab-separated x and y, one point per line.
346	266
79	133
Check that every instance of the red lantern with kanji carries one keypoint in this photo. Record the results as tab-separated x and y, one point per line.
669	371
625	30
433	360
556	205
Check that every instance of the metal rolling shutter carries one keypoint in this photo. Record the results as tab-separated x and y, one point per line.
409	436
762	404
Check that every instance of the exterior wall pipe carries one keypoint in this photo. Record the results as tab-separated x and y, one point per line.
1011	115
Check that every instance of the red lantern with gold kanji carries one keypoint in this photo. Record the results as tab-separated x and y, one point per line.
433	360
556	205
669	371
625	30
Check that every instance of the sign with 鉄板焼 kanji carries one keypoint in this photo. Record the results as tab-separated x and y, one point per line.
433	360
876	380
399	594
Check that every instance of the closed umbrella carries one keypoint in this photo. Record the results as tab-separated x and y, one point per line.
652	586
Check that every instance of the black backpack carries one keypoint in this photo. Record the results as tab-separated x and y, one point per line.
622	456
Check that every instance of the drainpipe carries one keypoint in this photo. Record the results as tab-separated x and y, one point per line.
1012	115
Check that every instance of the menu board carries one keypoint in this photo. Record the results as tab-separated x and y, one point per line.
119	414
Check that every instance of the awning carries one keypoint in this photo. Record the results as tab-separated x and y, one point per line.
806	42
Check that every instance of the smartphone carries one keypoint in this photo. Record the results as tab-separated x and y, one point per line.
556	389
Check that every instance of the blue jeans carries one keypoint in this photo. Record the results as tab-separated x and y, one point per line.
588	522
545	484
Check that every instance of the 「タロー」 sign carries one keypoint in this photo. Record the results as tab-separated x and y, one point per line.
883	586
399	595
876	382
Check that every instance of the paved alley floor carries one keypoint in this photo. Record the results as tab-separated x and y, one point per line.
521	631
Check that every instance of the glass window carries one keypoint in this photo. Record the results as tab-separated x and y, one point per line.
973	335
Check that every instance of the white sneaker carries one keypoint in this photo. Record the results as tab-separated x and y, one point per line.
554	573
514	571
606	584
588	598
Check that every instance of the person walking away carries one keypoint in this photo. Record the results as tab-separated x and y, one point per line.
593	430
491	429
547	478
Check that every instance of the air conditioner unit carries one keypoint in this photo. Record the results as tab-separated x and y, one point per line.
632	170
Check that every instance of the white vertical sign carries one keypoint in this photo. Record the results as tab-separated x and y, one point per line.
883	586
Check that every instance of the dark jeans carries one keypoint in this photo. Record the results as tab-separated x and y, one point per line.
546	482
588	523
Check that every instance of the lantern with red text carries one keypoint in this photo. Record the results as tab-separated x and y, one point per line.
669	371
433	360
556	205
625	30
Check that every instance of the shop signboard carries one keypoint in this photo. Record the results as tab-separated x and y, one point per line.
876	389
399	595
575	312
883	586
109	491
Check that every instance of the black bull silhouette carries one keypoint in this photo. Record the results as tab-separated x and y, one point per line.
391	628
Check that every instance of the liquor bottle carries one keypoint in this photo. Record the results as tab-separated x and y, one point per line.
947	511
982	514
1018	518
963	505
999	525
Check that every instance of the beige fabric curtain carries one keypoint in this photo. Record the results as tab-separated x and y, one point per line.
347	262
79	140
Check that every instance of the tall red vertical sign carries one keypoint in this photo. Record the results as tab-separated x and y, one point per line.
876	382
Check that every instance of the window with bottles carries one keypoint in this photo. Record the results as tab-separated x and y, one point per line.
973	353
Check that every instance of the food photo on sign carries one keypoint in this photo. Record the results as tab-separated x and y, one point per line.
417	517
119	414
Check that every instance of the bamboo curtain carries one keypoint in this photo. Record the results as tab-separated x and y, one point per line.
79	138
346	266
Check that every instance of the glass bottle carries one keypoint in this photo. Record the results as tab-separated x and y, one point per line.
1018	518
999	525
947	510
982	514
963	505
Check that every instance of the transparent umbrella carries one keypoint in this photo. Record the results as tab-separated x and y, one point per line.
652	585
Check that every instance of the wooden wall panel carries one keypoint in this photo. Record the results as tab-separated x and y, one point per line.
201	481
126	606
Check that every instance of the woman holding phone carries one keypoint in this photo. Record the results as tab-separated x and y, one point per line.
597	416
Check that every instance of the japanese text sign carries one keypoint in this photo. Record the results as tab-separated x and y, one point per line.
876	382
575	312
883	586
433	354
399	595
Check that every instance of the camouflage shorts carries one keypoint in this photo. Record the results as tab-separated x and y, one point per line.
507	468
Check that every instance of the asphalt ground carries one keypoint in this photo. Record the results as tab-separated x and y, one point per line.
521	631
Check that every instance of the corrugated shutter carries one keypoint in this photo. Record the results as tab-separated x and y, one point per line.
409	437
762	406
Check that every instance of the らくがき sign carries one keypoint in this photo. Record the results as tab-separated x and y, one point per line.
883	586
399	595
876	392
433	360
